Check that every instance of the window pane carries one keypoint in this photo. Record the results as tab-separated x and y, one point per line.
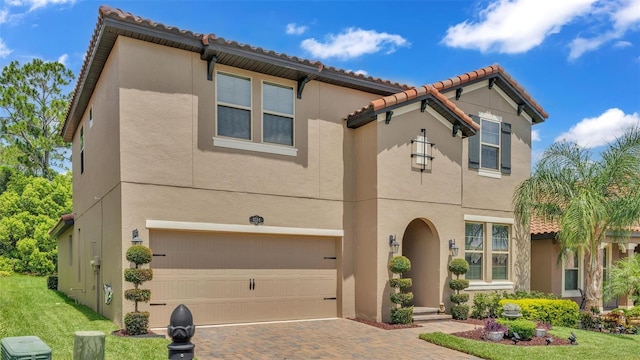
278	99
234	122
489	157
500	238
571	279
277	129
475	266
490	132
473	239
499	266
234	90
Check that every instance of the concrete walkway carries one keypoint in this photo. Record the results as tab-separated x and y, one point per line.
322	339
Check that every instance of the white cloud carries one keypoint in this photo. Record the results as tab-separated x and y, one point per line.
293	29
624	15
598	131
352	43
4	50
36	4
515	26
4	16
622	44
63	59
535	135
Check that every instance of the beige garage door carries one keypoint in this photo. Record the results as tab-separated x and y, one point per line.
235	278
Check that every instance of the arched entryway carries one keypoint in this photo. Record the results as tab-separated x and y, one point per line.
421	245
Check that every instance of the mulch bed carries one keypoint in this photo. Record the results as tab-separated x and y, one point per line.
149	334
477	334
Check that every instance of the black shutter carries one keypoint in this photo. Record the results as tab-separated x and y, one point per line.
505	148
474	146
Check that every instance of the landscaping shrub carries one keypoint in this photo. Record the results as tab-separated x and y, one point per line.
485	305
401	283
52	282
136	323
525	328
555	312
533	294
138	295
7	264
138	276
589	321
404	314
399	265
458	267
139	254
460	312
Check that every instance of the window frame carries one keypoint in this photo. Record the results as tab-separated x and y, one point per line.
234	106
481	251
501	252
263	111
82	141
90	117
580	274
498	121
488	283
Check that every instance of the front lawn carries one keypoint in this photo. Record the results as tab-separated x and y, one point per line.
591	345
27	307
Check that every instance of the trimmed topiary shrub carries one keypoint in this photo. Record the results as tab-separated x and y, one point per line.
137	322
52	282
404	314
555	312
524	328
458	267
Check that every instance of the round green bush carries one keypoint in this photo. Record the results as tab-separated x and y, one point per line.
136	323
401	283
138	295
399	264
139	254
458	284
401	298
138	276
460	312
402	315
459	266
524	328
459	298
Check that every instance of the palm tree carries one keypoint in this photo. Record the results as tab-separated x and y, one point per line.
589	198
624	279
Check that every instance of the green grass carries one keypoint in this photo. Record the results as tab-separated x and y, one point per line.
27	307
592	345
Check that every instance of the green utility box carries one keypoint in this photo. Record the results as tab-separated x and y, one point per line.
25	348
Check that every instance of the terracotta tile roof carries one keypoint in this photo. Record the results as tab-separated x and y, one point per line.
111	23
539	226
63	224
378	105
485	72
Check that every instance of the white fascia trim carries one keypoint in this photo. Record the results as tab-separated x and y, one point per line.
512	103
246	229
489	219
496	285
253	146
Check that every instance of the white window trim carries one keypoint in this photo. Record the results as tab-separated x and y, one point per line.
232	143
489	219
293	116
488	172
499	252
244	229
494	285
249	108
574	293
483	272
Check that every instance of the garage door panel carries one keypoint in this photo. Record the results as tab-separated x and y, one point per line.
212	273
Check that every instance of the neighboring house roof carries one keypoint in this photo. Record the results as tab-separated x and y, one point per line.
442	105
494	73
115	22
65	222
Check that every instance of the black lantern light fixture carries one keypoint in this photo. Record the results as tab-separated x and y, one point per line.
453	248
135	238
393	244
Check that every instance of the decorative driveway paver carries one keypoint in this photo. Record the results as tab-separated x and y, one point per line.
322	339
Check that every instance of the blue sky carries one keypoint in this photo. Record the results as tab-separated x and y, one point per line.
579	59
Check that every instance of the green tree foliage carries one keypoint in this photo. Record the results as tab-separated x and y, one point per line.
624	279
33	102
588	197
29	207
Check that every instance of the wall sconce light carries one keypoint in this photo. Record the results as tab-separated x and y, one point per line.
256	220
453	248
135	239
393	244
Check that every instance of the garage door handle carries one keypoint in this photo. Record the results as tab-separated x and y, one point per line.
330	298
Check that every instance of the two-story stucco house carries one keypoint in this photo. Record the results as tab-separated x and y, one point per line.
271	188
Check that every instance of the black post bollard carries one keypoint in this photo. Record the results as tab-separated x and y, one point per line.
181	329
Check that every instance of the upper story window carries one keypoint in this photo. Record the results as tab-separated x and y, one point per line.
277	117
490	148
233	106
82	150
90	117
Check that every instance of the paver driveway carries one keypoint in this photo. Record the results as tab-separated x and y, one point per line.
321	339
